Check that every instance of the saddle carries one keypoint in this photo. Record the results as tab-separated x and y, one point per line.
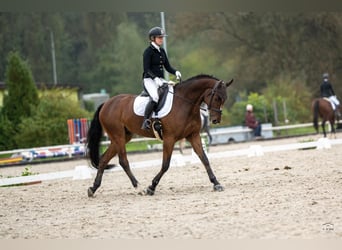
163	108
157	125
162	92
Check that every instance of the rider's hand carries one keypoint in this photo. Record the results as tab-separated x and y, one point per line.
158	81
178	75
171	83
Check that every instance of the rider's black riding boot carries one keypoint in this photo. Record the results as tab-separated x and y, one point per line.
148	111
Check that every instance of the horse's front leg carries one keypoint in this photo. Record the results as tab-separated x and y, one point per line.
333	131
198	148
167	153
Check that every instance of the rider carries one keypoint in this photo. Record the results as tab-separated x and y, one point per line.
328	92
204	112
154	62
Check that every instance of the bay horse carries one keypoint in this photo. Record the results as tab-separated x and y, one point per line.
322	108
117	119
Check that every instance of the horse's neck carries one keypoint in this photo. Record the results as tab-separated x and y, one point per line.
194	91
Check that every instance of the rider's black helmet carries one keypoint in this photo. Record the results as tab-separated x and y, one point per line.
156	31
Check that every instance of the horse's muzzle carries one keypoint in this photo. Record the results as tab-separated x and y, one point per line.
216	121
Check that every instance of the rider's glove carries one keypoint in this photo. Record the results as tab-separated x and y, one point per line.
178	75
171	83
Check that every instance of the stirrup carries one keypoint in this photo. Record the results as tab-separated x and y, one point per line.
146	124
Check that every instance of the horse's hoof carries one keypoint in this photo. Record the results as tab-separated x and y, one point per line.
218	188
90	192
149	191
140	191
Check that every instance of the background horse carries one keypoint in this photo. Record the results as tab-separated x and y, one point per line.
322	108
117	119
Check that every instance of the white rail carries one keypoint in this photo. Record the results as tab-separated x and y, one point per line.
70	146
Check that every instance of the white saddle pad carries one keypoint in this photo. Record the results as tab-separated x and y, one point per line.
140	103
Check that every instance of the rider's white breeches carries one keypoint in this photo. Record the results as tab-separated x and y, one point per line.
152	88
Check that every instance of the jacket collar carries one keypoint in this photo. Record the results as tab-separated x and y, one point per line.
154	45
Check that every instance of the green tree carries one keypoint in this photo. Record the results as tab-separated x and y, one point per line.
6	133
21	98
87	36
292	96
78	37
265	46
103	49
120	70
22	93
289	99
261	109
48	125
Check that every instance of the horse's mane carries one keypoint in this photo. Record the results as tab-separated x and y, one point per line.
190	80
199	77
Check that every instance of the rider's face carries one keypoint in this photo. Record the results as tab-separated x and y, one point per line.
159	40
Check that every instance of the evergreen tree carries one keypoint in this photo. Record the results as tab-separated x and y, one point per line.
6	133
21	97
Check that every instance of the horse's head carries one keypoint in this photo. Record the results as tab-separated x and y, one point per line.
215	100
207	89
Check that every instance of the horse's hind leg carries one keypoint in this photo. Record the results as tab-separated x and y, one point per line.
167	153
198	148
125	165
105	158
323	128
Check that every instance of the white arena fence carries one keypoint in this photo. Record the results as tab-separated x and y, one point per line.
220	136
178	160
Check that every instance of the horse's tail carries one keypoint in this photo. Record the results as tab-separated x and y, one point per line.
93	139
315	114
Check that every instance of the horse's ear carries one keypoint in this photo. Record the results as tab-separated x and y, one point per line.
230	82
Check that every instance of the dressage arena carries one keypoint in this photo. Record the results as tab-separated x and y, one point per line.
290	194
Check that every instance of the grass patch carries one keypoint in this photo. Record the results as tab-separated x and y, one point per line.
27	172
294	131
135	146
2	156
